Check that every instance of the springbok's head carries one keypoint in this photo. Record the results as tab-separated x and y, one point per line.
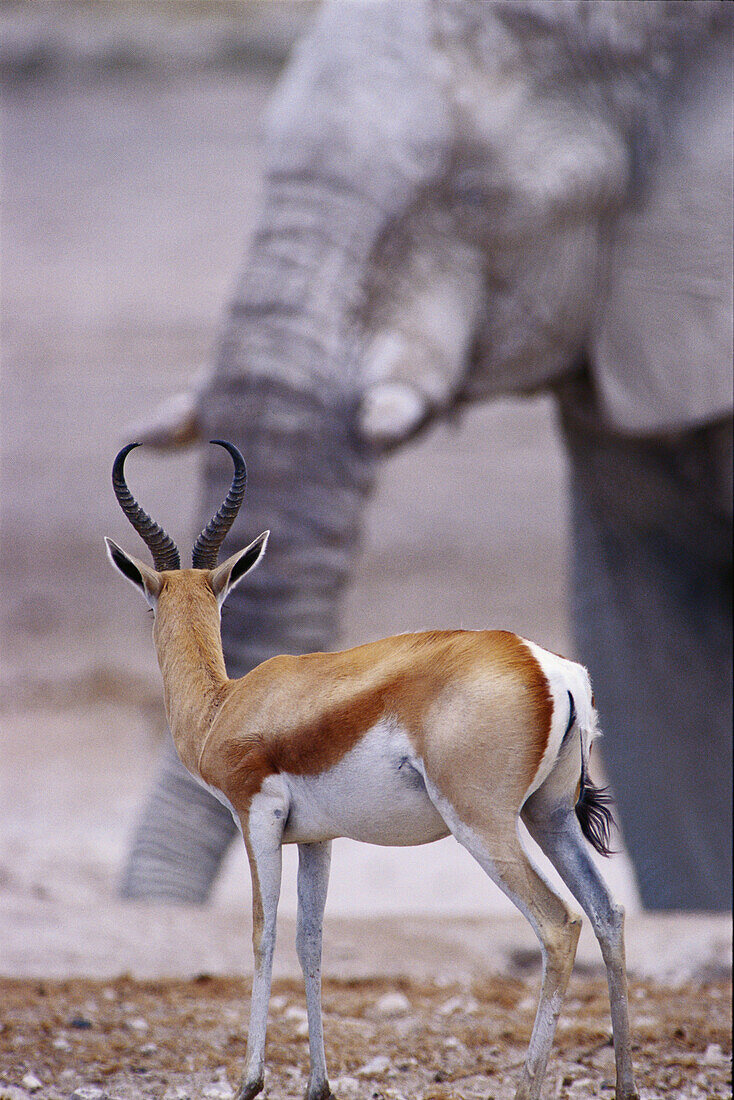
166	571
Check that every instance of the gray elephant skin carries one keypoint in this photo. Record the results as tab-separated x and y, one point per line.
464	199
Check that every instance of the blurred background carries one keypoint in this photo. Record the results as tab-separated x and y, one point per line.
131	173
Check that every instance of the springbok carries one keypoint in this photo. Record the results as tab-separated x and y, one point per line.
400	741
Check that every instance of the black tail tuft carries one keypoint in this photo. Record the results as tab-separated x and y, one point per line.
595	816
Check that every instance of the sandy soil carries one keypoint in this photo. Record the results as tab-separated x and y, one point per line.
385	1041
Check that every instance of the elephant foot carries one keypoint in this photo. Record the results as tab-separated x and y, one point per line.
249	1089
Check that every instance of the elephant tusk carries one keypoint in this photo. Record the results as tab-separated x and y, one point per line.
391	412
176	422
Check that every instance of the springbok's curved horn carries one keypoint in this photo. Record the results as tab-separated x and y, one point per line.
206	547
162	547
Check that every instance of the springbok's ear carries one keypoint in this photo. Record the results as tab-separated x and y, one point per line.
145	579
230	573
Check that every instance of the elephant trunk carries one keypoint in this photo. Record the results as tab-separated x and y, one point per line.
307	480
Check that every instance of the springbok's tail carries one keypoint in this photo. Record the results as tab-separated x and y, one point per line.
593	806
595	815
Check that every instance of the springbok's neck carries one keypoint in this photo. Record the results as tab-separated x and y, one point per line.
189	647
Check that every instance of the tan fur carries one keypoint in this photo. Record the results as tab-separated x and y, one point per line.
475	704
258	913
472	702
188	643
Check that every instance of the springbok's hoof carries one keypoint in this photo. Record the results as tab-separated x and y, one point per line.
323	1093
249	1089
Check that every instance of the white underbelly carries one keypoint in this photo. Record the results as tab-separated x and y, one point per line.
375	794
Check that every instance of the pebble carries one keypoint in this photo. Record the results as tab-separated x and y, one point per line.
138	1024
347	1088
375	1067
218	1090
299	1017
31	1082
714	1056
11	1092
148	1048
392	1004
60	1043
89	1092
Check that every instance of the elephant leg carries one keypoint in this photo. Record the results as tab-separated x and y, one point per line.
307	481
652	613
179	840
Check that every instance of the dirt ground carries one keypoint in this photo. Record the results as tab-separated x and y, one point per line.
408	1040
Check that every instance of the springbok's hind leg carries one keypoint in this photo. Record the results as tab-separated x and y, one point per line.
558	930
557	831
497	848
314	861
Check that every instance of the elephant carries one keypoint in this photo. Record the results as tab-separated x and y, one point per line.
470	198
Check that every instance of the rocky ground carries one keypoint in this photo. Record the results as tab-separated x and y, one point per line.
386	1040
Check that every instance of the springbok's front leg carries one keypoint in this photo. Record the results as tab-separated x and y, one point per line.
314	861
263	833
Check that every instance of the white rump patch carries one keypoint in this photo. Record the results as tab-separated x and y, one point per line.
563	676
375	793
